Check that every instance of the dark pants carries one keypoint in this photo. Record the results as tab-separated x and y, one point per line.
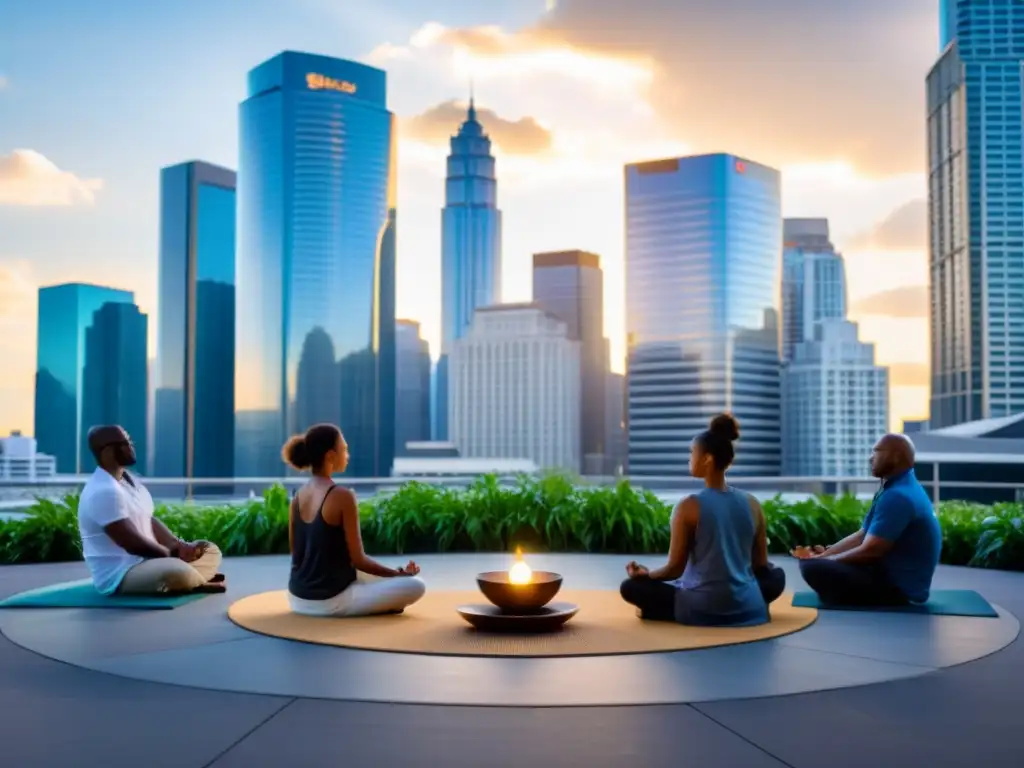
657	599
847	584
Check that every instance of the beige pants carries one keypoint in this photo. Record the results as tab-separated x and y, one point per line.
169	574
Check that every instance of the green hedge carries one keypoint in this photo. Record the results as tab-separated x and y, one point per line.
539	514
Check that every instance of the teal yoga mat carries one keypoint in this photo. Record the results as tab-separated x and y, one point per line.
943	602
82	594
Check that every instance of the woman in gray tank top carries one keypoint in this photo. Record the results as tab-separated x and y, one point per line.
718	572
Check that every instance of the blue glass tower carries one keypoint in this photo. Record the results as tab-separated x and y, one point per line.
947	22
114	385
703	251
315	333
976	209
65	311
470	245
813	281
195	392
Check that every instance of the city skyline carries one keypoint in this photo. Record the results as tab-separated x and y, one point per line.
560	174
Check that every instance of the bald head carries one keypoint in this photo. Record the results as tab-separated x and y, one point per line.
892	454
111	447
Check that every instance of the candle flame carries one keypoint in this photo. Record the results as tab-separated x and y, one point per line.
520	572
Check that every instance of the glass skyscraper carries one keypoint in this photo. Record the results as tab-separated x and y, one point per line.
65	311
703	252
195	392
412	415
976	211
947	22
813	281
315	333
570	286
114	385
470	245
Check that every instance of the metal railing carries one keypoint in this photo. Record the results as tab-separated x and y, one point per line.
15	493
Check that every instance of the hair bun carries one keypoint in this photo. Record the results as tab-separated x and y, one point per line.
725	425
296	453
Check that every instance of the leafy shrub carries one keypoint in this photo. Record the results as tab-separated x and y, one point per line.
550	513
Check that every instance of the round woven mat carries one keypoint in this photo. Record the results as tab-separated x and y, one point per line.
605	625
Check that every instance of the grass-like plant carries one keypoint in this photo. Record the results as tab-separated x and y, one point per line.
551	513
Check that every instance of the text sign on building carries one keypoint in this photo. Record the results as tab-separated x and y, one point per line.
318	82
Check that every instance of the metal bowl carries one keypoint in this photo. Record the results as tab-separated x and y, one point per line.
519	598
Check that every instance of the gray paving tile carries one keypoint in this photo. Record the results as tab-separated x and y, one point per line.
78	635
952	718
57	715
343	733
933	641
278	667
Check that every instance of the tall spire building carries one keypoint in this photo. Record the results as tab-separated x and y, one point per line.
470	245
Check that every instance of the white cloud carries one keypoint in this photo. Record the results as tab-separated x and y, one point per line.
30	179
4	82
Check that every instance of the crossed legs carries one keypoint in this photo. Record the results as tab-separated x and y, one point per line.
366	596
844	584
657	599
169	574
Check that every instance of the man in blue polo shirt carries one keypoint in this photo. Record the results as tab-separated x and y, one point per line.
892	558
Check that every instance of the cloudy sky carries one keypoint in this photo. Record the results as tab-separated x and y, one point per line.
95	97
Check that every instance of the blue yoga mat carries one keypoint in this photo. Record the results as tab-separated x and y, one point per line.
942	602
82	594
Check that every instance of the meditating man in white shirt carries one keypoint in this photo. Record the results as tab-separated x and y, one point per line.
127	549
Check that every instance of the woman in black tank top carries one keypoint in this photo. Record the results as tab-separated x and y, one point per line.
330	572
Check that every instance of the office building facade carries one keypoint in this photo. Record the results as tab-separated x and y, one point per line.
835	403
976	206
813	281
20	459
195	392
515	388
413	376
114	378
470	245
315	335
65	312
615	424
703	255
570	286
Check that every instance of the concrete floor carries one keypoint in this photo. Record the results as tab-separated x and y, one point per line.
62	713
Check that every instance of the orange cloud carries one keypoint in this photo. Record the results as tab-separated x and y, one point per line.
909	301
784	82
30	179
524	136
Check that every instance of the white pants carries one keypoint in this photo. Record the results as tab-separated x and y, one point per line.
366	596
